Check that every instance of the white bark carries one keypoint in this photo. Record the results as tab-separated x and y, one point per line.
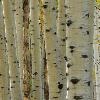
51	43
4	68
19	36
35	50
11	51
61	31
43	55
97	48
80	49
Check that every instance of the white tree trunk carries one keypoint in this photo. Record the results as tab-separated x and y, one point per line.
11	51
4	68
61	31
35	50
80	49
43	55
19	38
97	48
52	56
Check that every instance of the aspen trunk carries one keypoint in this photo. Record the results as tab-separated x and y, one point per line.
4	68
27	63
97	48
61	31
80	49
43	55
35	50
51	43
19	38
11	51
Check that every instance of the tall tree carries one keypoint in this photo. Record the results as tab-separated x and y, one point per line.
43	55
19	38
80	49
97	48
27	63
4	68
51	46
35	50
61	31
11	51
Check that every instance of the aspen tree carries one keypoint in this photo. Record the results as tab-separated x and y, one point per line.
27	63
61	31
19	38
51	46
97	48
36	93
11	51
80	49
4	68
14	27
43	55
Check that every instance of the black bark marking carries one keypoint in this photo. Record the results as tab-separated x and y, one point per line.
53	8
45	6
49	53
72	51
35	73
69	65
14	81
60	86
55	33
88	83
12	87
66	15
62	23
47	30
2	87
34	90
78	97
87	32
84	56
69	22
36	86
67	74
65	58
63	40
71	47
46	2
85	70
74	80
55	97
55	50
87	15
67	89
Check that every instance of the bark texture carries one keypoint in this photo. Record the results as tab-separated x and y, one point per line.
11	52
4	68
36	93
80	49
